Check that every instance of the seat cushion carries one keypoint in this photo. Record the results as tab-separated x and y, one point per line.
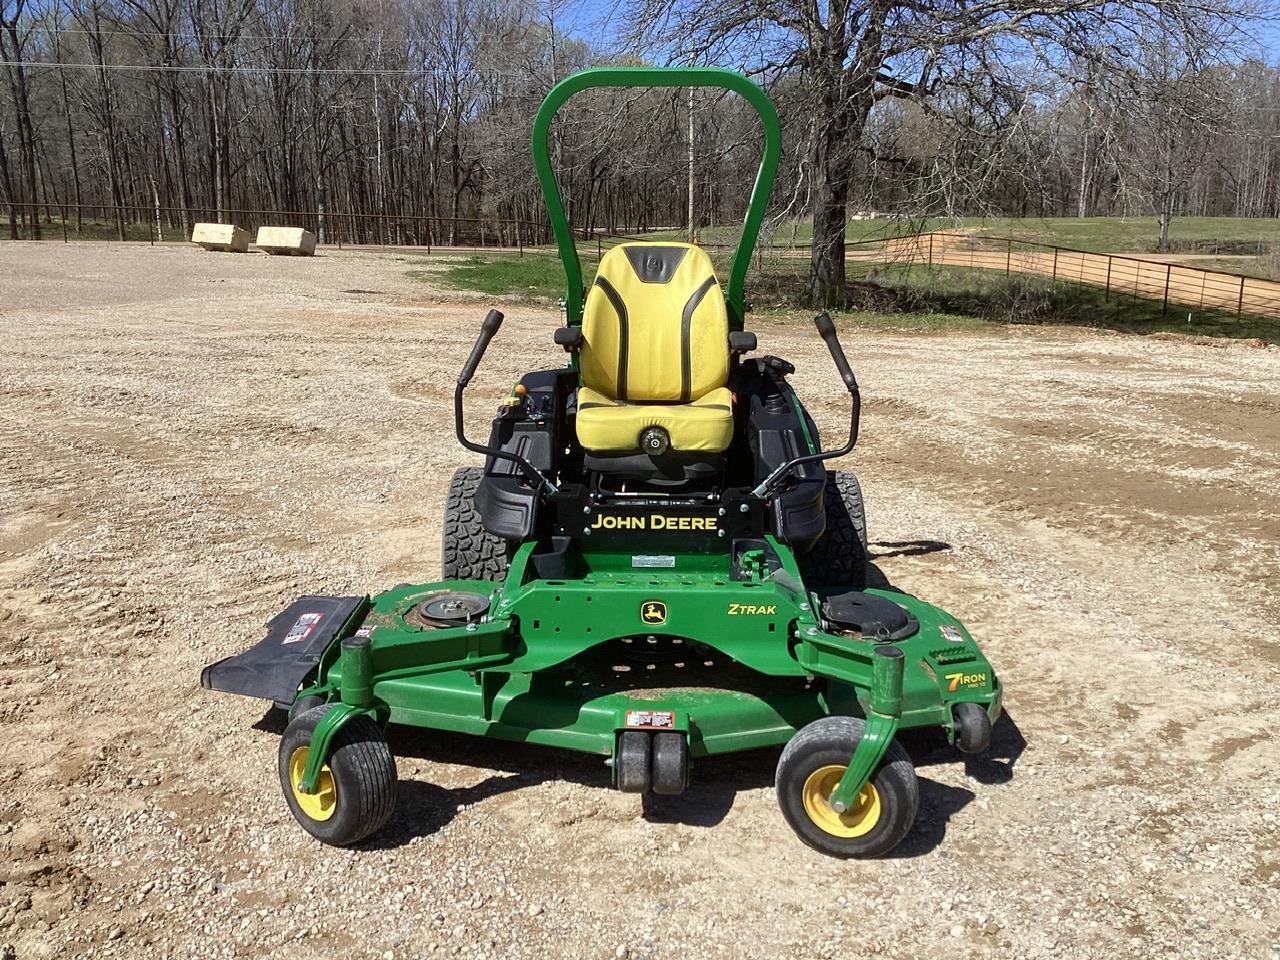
705	425
654	325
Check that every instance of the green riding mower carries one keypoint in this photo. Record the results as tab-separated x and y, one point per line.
653	565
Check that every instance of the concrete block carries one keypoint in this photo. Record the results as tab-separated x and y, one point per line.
286	241
223	237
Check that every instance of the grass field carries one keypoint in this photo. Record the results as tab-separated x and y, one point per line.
1210	235
885	296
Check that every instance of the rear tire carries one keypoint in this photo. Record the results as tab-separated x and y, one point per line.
633	762
358	784
670	763
839	558
469	551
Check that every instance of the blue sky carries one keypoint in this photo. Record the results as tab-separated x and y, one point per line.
596	21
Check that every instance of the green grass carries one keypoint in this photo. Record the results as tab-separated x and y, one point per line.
1209	235
1264	268
531	277
886	296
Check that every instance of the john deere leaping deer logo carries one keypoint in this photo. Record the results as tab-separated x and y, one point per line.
653	612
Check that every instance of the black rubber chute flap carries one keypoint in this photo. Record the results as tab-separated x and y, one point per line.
296	640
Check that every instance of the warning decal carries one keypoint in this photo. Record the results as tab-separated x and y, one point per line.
650	720
302	628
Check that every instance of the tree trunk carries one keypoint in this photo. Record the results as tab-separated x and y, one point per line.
831	173
71	144
180	148
26	135
7	183
1082	200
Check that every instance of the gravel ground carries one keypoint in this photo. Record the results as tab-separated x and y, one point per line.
193	439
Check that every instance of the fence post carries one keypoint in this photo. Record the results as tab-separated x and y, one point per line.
1106	292
64	224
1055	264
599	249
1240	302
1008	256
1168	272
931	249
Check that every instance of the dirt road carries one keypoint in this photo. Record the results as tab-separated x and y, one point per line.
192	439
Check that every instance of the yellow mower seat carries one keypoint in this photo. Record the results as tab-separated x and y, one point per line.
704	426
655	351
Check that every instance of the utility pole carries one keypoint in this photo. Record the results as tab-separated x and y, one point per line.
692	225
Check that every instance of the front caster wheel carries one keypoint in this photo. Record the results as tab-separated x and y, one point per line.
809	770
973	727
357	787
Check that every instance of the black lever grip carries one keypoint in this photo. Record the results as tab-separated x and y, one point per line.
489	327
827	330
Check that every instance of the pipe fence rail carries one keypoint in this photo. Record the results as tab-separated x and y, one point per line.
1159	277
160	224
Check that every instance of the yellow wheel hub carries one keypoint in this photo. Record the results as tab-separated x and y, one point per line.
321	804
857	821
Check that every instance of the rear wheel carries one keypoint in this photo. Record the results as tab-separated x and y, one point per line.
810	768
670	763
633	761
470	552
839	558
356	789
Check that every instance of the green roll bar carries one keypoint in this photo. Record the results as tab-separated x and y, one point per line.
656	77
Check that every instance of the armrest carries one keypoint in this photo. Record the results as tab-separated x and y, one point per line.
740	341
569	337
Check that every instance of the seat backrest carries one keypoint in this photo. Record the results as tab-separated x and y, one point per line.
654	325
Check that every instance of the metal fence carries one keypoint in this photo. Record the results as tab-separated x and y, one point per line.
1151	278
157	224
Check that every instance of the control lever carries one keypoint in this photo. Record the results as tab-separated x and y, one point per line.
826	330
488	328
490	325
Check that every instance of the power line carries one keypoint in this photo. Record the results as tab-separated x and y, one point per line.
154	34
213	68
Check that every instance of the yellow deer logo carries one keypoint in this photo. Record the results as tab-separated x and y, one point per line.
653	612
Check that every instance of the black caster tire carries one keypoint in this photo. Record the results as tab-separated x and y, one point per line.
303	704
973	727
670	763
357	786
633	763
808	771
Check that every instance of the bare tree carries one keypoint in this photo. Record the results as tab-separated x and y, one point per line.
854	54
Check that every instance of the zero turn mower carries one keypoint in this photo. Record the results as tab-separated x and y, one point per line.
653	565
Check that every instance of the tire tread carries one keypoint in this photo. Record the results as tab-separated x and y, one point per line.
468	550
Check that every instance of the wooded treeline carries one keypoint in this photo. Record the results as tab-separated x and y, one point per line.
163	112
